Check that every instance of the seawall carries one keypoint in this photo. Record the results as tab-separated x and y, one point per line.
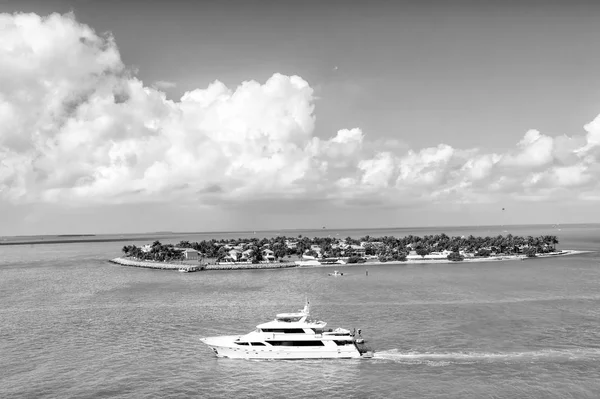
147	264
177	266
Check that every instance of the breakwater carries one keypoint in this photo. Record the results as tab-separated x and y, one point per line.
222	266
147	264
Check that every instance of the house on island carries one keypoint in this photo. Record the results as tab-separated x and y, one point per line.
375	244
350	249
314	252
268	255
466	254
246	255
355	250
442	255
189	253
235	255
232	256
238	256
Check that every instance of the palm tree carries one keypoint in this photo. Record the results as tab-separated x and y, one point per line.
221	254
421	251
256	254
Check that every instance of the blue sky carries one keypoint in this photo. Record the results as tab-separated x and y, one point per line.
225	115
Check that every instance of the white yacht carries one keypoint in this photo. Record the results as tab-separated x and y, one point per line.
291	336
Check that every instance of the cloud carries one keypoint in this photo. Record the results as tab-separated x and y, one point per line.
164	84
78	127
534	150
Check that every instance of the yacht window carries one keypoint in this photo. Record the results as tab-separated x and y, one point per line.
284	330
341	343
296	343
257	344
242	343
288	319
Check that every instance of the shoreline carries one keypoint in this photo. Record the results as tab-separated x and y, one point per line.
176	266
288	265
506	258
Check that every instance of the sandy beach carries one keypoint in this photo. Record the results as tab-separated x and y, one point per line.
505	258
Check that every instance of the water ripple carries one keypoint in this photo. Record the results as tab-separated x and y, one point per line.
75	327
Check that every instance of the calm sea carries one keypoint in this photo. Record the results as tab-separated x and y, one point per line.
75	326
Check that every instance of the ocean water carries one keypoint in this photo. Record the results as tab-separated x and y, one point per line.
75	326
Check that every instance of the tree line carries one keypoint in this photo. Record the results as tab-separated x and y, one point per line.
158	252
386	248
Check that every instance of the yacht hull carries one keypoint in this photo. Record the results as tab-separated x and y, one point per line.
225	347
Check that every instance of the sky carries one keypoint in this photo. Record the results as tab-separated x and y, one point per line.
137	116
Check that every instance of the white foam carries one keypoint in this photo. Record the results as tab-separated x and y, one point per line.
442	358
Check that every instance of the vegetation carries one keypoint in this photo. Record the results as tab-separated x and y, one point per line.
355	259
156	252
422	251
483	253
455	257
531	252
386	249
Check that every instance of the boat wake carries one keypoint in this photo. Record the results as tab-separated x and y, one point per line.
444	358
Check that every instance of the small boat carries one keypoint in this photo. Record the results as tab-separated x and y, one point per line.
292	336
183	270
336	274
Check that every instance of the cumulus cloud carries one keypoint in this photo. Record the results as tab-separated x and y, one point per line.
534	150
77	126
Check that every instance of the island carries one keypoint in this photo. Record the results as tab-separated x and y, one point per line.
283	252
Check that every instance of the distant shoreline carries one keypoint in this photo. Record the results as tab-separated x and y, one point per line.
83	238
66	241
286	265
91	239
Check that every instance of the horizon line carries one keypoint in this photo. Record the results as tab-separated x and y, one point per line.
72	235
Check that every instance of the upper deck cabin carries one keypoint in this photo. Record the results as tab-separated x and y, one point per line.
291	317
293	323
